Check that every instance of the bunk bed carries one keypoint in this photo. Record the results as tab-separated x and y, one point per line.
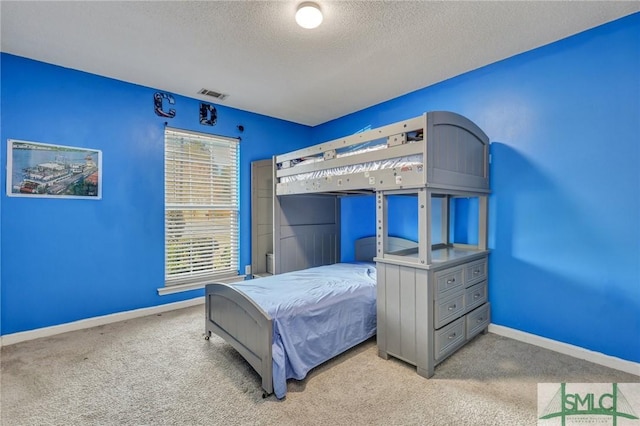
438	149
430	297
287	324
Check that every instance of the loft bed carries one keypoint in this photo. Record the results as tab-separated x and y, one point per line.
439	154
287	324
439	149
433	297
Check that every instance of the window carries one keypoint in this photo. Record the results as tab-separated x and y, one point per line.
201	207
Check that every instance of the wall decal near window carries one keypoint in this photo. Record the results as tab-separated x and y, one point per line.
157	104
208	114
39	170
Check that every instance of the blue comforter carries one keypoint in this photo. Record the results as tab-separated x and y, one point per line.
317	314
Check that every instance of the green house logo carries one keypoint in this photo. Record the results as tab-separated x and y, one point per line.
589	403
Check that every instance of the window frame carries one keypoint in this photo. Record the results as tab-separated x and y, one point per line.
201	208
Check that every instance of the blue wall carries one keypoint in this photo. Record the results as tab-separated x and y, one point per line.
564	223
65	260
564	215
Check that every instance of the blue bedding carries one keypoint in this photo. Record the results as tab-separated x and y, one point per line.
317	314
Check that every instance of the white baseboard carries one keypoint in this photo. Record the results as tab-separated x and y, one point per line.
567	349
10	339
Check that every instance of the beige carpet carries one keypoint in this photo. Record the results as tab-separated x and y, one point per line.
159	370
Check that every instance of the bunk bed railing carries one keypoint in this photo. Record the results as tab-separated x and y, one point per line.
397	151
357	157
439	149
388	131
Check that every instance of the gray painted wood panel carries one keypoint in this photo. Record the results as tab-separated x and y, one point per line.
306	232
261	214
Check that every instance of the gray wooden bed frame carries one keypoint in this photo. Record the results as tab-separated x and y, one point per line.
243	324
432	300
454	151
306	212
454	162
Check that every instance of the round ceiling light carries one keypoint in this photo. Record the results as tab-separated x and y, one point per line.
308	15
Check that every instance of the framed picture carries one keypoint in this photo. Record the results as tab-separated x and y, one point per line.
39	170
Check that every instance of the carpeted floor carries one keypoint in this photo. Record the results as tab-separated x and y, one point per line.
159	370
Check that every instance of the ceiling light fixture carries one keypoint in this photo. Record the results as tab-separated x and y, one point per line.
308	15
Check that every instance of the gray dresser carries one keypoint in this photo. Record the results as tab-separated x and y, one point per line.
434	298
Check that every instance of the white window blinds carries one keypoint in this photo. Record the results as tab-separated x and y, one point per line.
201	207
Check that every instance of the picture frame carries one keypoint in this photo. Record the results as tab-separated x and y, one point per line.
40	170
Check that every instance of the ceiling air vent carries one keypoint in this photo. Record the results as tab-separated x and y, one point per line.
219	96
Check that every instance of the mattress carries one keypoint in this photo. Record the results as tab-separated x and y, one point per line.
368	166
317	314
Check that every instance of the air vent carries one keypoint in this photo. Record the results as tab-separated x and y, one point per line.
219	96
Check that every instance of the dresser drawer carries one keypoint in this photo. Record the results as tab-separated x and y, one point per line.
448	309
475	272
448	281
475	296
477	320
449	338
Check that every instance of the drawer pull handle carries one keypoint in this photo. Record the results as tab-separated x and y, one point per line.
452	280
476	272
452	336
452	307
477	295
479	320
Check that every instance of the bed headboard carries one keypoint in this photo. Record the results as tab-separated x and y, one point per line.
306	232
365	248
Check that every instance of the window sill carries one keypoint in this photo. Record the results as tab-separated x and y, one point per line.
195	286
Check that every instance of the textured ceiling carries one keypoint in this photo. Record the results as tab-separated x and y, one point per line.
365	52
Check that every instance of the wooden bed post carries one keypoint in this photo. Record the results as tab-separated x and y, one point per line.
424	227
483	208
381	223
